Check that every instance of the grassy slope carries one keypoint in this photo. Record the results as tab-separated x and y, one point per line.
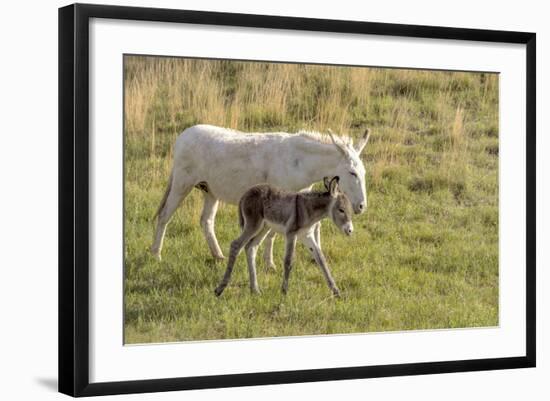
424	256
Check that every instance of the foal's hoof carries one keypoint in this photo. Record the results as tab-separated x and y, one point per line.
271	267
336	293
219	258
218	291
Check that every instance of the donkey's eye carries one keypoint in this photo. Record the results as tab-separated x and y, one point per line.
353	174
341	211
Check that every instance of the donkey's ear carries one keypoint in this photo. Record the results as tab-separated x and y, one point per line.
333	186
360	145
326	181
339	146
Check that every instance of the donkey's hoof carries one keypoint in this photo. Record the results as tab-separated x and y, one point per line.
336	293
156	255
218	291
219	258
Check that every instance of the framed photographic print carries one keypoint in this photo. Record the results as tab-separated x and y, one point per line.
249	199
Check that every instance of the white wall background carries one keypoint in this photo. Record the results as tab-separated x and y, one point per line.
28	204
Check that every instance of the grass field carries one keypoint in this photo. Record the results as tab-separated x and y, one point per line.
424	256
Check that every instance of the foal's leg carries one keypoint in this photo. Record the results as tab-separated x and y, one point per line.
208	217
177	191
250	230
251	248
268	251
309	241
317	229
289	253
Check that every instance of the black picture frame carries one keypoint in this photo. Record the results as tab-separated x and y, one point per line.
74	198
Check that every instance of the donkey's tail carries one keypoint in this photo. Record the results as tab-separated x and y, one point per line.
165	196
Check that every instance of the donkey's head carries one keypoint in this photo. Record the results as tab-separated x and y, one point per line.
340	207
352	172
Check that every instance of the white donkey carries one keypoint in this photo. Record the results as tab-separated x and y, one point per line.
225	163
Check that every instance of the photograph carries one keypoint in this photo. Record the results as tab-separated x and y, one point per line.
257	199
271	199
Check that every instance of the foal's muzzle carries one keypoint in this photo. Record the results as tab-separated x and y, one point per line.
347	228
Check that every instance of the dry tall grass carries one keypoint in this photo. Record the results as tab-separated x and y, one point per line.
166	95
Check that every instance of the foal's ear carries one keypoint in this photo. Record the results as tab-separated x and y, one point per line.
333	186
326	181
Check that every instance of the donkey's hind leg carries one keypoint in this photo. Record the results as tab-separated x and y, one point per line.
208	218
175	193
250	230
251	248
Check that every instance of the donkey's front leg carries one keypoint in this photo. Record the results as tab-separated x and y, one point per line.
289	253
309	241
208	217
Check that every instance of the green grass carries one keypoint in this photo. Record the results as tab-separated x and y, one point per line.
424	256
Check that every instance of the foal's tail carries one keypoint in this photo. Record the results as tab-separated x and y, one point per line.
241	217
165	196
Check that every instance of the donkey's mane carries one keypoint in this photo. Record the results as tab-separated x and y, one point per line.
324	138
311	135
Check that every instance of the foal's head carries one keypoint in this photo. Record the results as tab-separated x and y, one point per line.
340	210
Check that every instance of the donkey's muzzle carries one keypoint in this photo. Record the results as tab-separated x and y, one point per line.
360	208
